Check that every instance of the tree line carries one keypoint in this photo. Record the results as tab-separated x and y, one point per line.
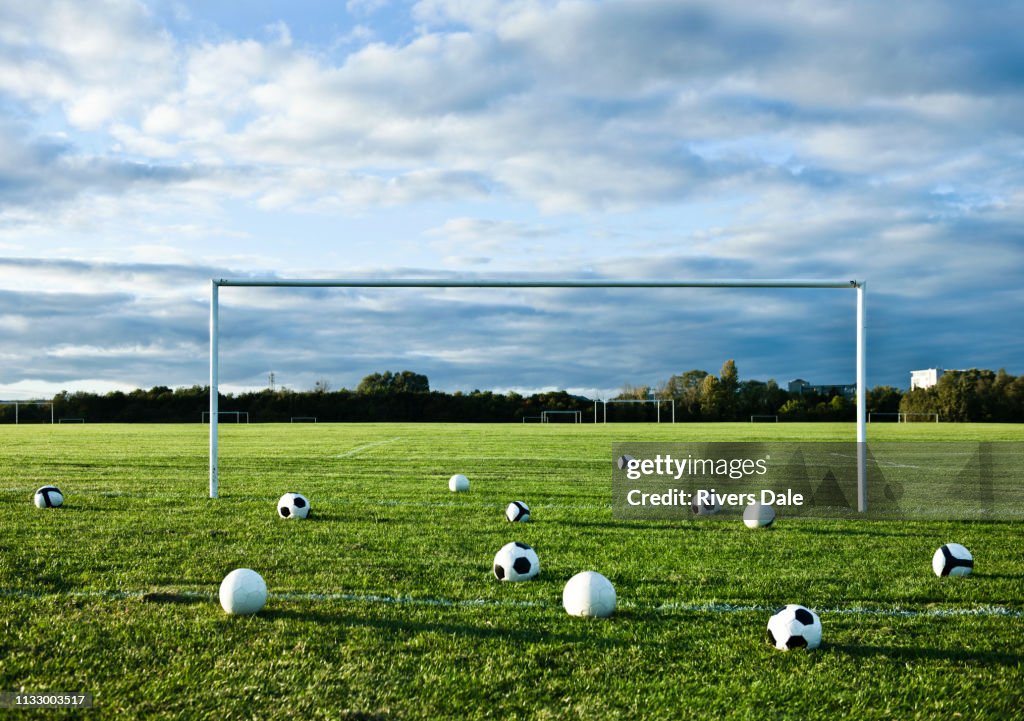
970	395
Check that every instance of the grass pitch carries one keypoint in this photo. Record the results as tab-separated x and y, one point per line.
383	605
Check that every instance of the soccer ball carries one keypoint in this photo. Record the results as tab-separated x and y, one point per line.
243	591
794	627
623	461
293	505
517	512
952	559
705	508
458	483
758	515
48	497
589	594
516	562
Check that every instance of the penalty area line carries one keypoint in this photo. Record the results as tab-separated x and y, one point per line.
359	449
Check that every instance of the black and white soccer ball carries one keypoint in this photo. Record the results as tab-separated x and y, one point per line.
702	505
293	505
517	512
623	461
516	562
794	627
952	559
48	497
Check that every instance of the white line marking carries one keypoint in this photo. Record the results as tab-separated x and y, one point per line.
360	449
878	462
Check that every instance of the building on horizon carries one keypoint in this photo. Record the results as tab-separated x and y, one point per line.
925	378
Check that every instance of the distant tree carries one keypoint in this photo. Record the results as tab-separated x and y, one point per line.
839	408
793	409
388	382
884	399
631	392
920	400
710	398
728	386
685	390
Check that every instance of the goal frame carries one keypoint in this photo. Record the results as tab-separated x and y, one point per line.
237	414
19	403
656	401
904	416
857	285
546	415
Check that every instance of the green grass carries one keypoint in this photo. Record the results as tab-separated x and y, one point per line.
383	604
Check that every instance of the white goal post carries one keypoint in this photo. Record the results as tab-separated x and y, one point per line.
857	285
545	416
656	401
237	414
905	417
18	404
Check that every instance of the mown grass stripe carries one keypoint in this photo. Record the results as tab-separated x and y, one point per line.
390	600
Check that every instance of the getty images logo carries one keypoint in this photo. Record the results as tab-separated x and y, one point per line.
668	466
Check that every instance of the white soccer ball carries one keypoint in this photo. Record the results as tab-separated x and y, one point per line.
758	515
293	505
705	507
48	497
794	627
458	483
589	594
243	591
952	559
517	512
623	461
516	562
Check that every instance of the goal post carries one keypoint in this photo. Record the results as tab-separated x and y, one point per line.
858	285
237	414
657	405
545	416
18	404
928	417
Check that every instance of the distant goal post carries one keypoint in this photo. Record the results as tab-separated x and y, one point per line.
763	418
647	401
876	416
18	404
545	416
859	286
237	414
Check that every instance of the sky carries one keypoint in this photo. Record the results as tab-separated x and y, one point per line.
147	147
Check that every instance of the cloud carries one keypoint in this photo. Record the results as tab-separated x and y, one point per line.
95	62
570	106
